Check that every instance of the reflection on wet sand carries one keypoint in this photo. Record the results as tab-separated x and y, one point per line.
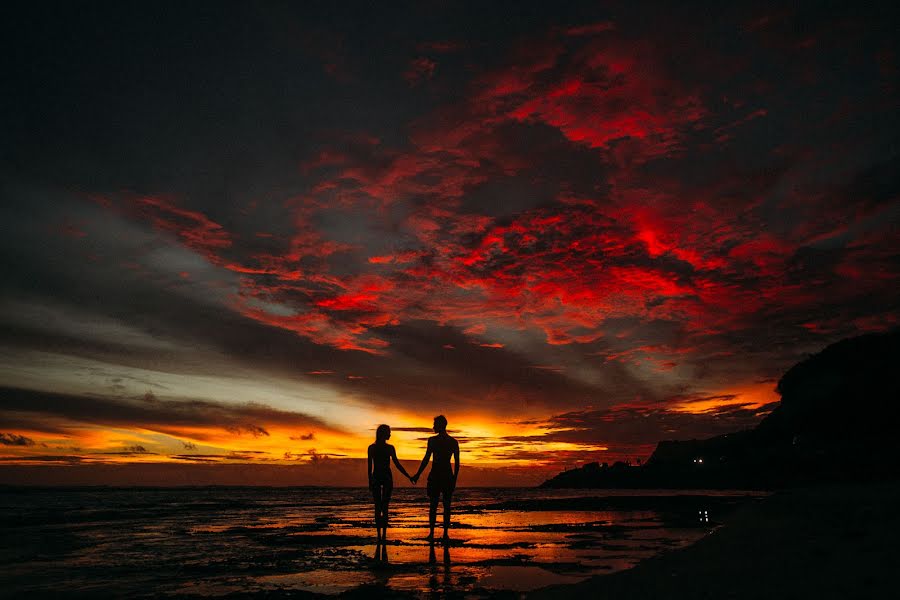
214	541
436	583
432	555
381	554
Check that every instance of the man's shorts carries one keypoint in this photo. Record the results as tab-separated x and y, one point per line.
439	483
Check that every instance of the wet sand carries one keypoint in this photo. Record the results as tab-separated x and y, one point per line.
273	542
826	542
837	541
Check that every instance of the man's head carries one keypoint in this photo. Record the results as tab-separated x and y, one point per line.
440	424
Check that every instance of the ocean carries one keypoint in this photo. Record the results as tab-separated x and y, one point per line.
218	541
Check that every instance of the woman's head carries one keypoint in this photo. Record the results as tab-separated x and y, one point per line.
383	433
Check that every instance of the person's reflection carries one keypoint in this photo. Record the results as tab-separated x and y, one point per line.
432	555
381	555
446	566
432	560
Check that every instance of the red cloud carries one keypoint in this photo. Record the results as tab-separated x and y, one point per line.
641	245
420	69
193	228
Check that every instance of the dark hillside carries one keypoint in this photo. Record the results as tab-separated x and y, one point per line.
837	420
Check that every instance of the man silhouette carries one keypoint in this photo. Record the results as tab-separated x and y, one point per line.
441	479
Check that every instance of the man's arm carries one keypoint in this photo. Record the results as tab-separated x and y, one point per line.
455	461
424	462
369	467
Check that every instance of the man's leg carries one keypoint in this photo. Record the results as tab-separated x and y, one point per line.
447	499
432	515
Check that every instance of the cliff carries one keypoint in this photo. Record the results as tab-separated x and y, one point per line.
837	420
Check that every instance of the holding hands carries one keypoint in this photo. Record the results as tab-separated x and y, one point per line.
414	479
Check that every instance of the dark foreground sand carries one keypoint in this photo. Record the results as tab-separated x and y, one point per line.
836	541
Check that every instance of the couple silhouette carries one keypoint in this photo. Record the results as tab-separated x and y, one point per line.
441	478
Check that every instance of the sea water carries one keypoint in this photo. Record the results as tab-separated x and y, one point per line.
214	541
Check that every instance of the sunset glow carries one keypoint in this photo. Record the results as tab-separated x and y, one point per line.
574	235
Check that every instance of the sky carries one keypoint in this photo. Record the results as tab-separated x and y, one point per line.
237	237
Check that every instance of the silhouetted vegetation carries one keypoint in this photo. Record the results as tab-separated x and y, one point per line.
836	422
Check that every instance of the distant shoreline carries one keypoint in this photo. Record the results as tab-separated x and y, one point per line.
600	492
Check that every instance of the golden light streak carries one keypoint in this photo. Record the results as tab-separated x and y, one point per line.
751	395
486	440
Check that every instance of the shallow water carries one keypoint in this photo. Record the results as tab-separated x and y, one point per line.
215	541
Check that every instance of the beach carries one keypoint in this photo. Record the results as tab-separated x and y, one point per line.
296	542
829	541
836	541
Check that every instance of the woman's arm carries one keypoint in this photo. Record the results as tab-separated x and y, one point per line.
370	466
397	462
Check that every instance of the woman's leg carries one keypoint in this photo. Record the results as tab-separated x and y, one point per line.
387	489
377	497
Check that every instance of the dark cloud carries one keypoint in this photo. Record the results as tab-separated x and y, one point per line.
166	416
44	458
14	439
135	450
628	429
196	458
316	456
254	430
414	429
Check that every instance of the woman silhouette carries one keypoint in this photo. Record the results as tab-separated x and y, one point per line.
381	482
